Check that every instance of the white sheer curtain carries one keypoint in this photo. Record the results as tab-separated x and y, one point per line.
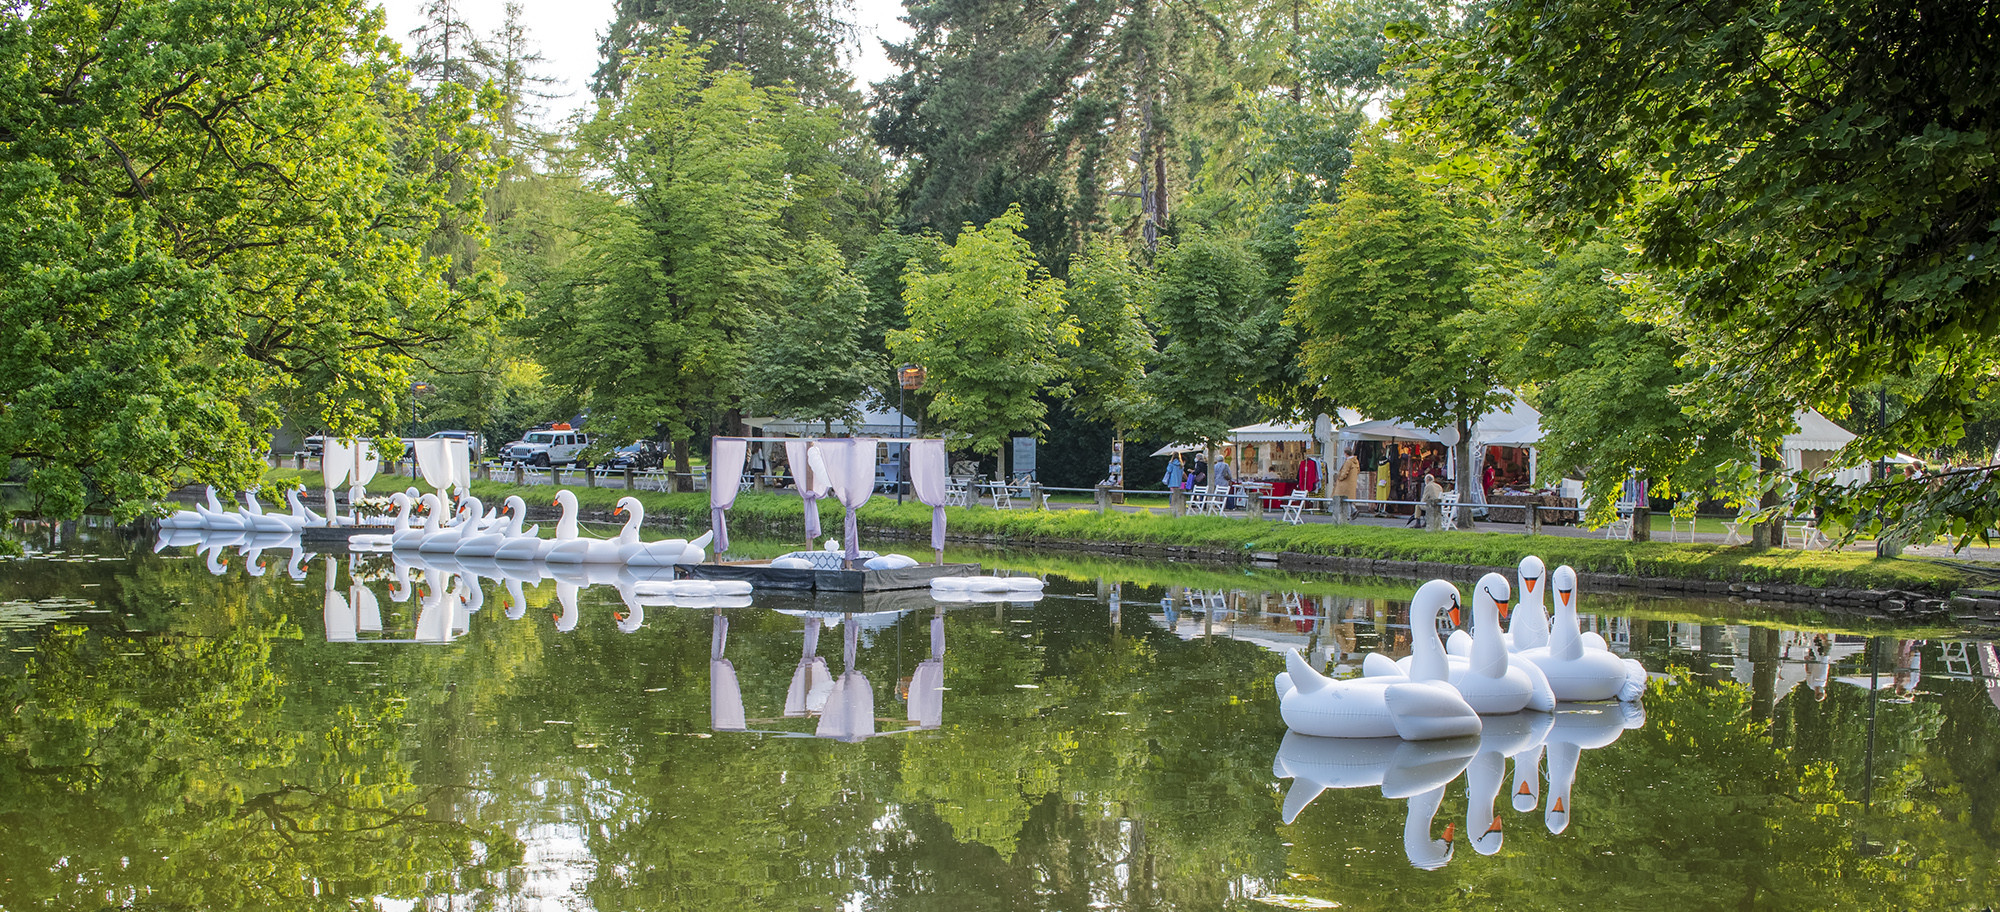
725	473
366	462
336	463
812	487
434	463
928	479
850	464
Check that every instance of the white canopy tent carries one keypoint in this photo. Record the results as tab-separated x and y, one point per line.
1809	448
1517	424
871	423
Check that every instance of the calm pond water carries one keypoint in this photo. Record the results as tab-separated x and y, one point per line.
284	730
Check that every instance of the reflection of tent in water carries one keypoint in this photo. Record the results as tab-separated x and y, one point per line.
844	704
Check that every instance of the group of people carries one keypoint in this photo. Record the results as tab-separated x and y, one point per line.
1181	476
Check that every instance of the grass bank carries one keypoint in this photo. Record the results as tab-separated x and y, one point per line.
778	515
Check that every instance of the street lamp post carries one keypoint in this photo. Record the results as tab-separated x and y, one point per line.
908	377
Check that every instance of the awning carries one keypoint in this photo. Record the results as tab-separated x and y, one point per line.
886	423
1816	432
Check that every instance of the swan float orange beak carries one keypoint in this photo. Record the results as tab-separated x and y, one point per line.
1525	789
1455	616
1529	584
1564	594
1557	807
1505	609
1495	828
1450	831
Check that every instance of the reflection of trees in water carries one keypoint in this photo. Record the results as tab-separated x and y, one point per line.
241	755
173	767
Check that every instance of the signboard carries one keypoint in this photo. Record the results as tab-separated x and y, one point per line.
1023	461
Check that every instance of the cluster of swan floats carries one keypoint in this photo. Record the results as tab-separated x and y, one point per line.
1445	691
500	535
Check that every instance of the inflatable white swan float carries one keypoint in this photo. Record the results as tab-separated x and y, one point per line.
1490	683
1577	673
1420	707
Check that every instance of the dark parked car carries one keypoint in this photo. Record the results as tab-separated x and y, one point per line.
639	454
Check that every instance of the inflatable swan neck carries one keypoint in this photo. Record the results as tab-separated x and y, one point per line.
1565	631
1489	653
1427	655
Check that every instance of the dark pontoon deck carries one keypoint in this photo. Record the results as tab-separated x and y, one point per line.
764	576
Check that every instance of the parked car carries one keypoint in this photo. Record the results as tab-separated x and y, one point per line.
315	446
556	446
471	439
639	454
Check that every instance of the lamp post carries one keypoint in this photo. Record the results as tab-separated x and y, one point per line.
908	377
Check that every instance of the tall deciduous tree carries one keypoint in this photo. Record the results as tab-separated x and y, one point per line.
1813	185
207	228
989	328
653	327
1387	274
1220	337
1604	381
808	360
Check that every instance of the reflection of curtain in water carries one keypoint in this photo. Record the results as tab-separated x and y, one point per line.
850	709
339	617
367	610
810	681
927	683
725	693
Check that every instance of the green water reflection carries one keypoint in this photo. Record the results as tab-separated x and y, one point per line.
181	738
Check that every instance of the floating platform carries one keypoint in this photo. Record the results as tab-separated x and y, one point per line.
320	535
764	576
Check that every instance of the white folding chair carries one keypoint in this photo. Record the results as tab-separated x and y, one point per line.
1674	524
1733	535
1621	527
1448	511
1294	509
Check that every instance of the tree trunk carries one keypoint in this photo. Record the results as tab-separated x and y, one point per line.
1463	480
683	480
1767	534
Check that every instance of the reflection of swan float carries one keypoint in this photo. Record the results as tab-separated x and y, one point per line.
1418	771
1575	671
1420	707
1577	729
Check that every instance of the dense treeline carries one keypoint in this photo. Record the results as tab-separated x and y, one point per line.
1667	227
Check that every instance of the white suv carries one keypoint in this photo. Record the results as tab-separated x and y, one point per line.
545	448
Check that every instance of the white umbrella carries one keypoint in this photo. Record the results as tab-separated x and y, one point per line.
1173	448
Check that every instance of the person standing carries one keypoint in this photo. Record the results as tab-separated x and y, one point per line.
1176	473
1225	479
1347	483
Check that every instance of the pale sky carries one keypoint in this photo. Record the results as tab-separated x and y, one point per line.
566	32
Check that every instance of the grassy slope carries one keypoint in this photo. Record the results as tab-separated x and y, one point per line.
778	515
